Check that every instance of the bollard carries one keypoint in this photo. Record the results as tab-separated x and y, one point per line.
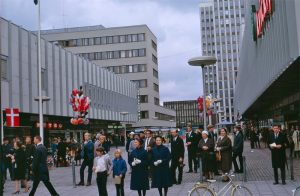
200	169
73	174
292	167
244	169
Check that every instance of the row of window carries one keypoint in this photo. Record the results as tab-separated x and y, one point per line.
103	40
122	69
144	99
114	54
165	117
3	64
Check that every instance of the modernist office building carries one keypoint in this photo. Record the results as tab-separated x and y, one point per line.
128	51
268	84
220	35
62	71
187	112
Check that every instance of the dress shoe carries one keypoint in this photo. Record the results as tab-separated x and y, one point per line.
80	184
275	183
88	184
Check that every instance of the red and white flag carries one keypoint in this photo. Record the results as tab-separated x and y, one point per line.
12	117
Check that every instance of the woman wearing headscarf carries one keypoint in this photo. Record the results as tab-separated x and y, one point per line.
139	176
224	146
161	157
206	147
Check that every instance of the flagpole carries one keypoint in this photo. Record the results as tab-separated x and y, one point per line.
40	74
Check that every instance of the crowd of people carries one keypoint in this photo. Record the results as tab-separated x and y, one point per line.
147	156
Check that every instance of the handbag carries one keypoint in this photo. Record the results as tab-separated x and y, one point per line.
218	156
117	180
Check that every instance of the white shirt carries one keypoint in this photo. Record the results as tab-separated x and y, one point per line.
205	140
147	142
100	164
175	138
39	143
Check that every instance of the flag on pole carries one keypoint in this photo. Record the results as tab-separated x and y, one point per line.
12	117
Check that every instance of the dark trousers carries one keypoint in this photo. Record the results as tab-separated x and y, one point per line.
48	185
192	159
252	143
8	166
85	163
282	171
120	188
174	165
101	183
236	167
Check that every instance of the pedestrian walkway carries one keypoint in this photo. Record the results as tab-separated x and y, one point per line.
260	180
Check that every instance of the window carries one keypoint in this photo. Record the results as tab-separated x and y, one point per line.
103	55
156	101
142	68
156	87
79	42
116	39
109	40
116	69
141	83
122	53
135	68
141	37
91	41
116	54
142	52
85	42
97	41
110	54
144	114
134	37
129	38
91	56
3	64
122	39
155	73
154	59
135	53
143	98
103	40
154	45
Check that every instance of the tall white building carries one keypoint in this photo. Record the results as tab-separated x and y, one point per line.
220	35
130	51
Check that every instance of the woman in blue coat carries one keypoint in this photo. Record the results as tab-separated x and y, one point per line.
161	177
139	176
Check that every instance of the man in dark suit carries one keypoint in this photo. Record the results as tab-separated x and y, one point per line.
149	141
40	168
177	156
191	143
277	144
237	150
87	154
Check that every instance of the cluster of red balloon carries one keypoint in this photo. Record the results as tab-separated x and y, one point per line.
80	105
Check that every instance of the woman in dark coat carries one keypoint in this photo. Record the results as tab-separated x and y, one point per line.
224	146
19	160
139	176
161	157
206	147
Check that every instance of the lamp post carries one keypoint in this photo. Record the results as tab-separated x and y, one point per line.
125	135
203	61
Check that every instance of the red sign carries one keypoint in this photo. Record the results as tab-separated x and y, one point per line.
263	13
12	117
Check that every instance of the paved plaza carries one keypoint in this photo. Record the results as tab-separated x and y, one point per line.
259	176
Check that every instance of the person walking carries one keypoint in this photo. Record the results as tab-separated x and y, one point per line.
206	147
277	144
191	143
252	138
237	150
139	176
119	172
87	153
177	156
61	153
39	168
29	152
19	166
102	167
161	157
225	149
213	136
7	151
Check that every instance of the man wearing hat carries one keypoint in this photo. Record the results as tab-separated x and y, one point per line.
237	150
191	143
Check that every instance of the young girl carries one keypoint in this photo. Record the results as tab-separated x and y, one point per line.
119	171
102	166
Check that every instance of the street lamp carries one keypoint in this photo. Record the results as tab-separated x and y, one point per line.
125	136
203	61
41	121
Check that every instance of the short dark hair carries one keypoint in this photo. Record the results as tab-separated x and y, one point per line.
100	149
159	137
149	131
140	141
224	129
18	144
5	139
38	137
276	125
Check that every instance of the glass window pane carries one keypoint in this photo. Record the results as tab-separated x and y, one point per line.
134	37
141	37
103	40
122	39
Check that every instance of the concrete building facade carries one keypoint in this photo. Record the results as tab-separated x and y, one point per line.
220	36
128	51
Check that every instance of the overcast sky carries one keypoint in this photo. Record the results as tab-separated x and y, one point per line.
175	23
